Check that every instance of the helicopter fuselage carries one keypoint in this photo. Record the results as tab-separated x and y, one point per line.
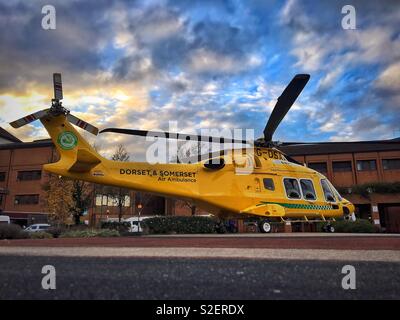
248	182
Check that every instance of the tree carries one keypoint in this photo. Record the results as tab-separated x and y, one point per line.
120	154
120	195
59	198
82	196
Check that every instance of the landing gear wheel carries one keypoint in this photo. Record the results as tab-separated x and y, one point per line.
329	228
265	226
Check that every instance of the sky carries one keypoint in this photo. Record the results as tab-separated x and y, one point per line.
205	65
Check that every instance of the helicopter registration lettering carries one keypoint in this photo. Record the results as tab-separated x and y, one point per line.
269	154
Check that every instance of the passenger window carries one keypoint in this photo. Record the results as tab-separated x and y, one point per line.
269	184
292	188
327	191
308	190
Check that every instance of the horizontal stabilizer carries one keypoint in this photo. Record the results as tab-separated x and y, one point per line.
85	161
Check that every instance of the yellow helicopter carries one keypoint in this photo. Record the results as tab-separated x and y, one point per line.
258	181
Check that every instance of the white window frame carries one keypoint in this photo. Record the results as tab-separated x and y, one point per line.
284	187
315	191
333	193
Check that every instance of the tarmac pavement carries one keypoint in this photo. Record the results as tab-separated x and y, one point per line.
194	278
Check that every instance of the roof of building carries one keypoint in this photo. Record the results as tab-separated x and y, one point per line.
24	145
316	148
8	136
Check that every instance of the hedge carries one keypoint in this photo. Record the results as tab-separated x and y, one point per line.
90	233
180	225
345	226
41	235
121	227
12	231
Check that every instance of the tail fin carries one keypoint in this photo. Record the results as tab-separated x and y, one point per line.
77	155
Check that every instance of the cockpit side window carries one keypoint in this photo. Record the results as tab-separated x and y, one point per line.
337	194
292	188
329	195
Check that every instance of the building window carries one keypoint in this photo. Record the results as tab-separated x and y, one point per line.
341	166
2	176
29	175
307	187
127	202
319	166
112	201
366	165
269	184
98	200
27	199
1	199
327	191
292	188
391	164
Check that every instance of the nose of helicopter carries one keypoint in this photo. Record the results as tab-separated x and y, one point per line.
349	210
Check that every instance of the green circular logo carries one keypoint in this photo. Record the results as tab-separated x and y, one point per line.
67	140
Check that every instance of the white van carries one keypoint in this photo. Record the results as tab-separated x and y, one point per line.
39	227
5	219
134	223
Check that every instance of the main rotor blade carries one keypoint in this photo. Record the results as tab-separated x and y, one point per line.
29	118
57	84
177	136
82	124
284	103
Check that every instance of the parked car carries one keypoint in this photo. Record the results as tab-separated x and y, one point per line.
135	224
5	219
39	227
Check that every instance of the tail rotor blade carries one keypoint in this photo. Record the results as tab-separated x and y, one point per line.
82	124
29	118
285	102
57	83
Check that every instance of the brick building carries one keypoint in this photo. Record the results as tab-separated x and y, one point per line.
22	178
349	165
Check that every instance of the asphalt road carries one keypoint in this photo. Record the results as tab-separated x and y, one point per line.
180	278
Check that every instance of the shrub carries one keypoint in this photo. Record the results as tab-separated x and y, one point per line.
177	224
41	235
373	187
55	231
115	225
12	231
108	233
345	226
90	233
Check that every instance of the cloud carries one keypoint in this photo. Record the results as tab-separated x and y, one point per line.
222	64
389	79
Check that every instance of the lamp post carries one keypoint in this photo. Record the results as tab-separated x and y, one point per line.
139	206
